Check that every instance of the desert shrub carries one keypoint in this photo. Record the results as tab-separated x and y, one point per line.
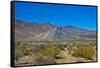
85	52
18	54
49	50
61	46
20	47
19	50
27	51
45	60
69	48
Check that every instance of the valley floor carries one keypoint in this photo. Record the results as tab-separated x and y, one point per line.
51	53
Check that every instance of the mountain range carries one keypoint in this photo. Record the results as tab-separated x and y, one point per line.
41	32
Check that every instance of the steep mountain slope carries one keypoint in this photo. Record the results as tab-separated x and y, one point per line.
62	34
42	32
24	30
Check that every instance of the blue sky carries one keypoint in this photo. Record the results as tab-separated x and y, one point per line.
58	15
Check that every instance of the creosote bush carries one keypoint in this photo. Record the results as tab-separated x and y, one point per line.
85	52
49	50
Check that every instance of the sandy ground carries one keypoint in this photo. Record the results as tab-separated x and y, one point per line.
68	58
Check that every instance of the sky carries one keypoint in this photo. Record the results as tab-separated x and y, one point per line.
58	15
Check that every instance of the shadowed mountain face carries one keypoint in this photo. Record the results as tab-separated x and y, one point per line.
43	32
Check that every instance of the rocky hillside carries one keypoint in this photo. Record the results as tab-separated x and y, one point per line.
42	32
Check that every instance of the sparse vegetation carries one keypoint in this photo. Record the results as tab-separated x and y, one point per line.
45	60
49	50
85	52
45	52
